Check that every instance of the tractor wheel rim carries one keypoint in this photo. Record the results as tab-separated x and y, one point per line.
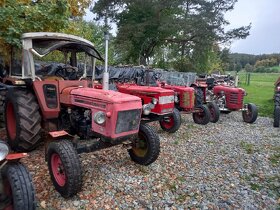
212	112
11	121
248	115
141	147
200	116
58	170
8	192
168	122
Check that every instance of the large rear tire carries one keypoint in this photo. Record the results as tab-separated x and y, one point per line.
23	120
146	148
276	116
251	114
277	99
172	122
18	187
64	167
214	112
2	108
202	117
199	97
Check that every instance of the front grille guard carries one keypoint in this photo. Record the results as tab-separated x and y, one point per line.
128	120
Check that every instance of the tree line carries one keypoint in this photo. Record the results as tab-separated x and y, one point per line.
185	35
254	63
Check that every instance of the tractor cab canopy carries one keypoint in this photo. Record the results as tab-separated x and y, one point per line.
45	48
44	43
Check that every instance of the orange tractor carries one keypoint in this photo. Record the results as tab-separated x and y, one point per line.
57	102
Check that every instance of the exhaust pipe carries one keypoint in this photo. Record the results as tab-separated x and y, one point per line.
105	82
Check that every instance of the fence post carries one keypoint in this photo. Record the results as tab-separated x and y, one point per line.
249	77
236	80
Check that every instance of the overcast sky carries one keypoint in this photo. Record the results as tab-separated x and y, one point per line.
265	32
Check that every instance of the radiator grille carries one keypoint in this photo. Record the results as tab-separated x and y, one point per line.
236	98
186	99
128	120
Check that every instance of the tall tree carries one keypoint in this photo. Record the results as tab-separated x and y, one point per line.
191	26
20	16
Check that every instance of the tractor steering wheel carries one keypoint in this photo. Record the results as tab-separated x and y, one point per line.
67	72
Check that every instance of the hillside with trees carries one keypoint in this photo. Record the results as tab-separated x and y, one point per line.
265	63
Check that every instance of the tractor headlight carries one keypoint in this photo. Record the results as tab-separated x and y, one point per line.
154	101
147	109
4	150
99	117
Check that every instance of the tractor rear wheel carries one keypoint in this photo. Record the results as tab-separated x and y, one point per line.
23	120
172	122
214	112
202	117
277	99
18	187
276	116
146	147
251	114
199	96
64	167
2	108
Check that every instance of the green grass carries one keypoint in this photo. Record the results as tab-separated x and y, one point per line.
249	148
260	91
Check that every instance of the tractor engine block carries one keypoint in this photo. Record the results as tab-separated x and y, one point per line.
80	120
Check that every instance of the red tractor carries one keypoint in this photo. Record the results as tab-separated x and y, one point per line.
277	104
56	101
158	105
184	96
228	98
16	187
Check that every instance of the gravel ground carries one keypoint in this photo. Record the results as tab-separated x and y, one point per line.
227	165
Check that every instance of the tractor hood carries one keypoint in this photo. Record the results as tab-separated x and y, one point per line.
146	90
179	88
108	96
227	89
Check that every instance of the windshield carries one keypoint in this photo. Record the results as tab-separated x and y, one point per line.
43	47
173	78
68	59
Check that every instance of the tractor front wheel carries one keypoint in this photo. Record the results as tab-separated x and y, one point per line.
146	147
23	120
251	114
276	116
214	112
171	123
203	116
64	167
18	187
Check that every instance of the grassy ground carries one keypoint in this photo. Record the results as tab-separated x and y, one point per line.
260	91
